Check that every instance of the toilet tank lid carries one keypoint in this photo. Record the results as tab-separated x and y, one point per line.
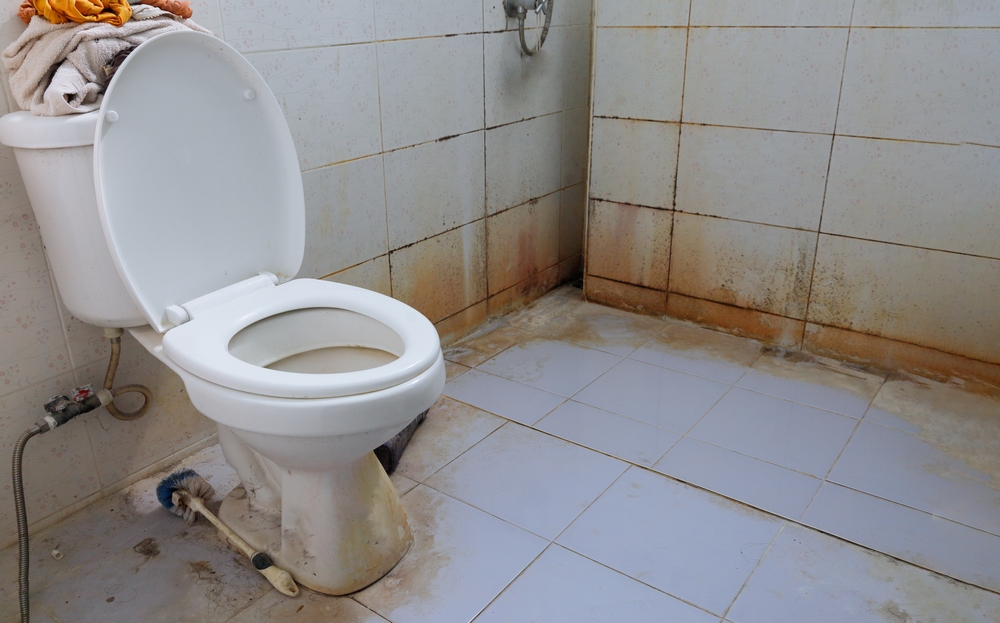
25	130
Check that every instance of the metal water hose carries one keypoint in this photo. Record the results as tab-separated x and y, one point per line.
114	335
62	409
22	521
516	8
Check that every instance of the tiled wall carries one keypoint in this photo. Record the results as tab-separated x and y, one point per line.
821	173
440	166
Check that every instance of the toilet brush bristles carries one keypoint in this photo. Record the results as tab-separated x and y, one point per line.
185	480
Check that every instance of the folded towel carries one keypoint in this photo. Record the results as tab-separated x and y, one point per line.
177	7
114	12
58	69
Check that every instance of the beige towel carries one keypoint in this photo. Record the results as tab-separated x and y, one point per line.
58	69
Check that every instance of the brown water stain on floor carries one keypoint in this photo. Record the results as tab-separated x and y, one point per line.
962	424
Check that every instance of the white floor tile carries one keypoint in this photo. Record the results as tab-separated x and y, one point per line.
563	587
766	486
528	478
498	395
460	560
785	433
691	544
900	467
617	435
603	328
402	483
655	395
557	367
450	429
814	381
808	576
921	538
701	352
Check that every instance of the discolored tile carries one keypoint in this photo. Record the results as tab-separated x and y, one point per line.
461	558
450	429
815	381
699	351
602	328
557	367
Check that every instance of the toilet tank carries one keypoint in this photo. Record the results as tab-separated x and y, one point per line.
56	158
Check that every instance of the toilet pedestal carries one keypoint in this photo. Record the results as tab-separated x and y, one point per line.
337	532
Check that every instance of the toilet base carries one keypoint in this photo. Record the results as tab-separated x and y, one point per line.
337	532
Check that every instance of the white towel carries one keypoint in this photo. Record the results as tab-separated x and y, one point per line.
58	69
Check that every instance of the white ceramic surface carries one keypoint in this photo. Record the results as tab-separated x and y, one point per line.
515	154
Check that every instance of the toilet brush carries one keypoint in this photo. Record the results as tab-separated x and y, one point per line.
182	493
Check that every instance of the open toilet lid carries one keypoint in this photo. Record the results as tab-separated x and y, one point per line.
198	182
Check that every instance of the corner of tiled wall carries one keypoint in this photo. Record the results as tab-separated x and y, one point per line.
440	166
819	174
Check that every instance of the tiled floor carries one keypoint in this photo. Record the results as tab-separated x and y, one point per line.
573	472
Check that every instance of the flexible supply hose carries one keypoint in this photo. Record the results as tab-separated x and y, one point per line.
22	520
109	381
521	14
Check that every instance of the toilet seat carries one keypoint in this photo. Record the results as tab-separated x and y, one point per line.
202	346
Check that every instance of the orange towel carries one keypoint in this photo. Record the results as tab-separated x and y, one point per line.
180	8
114	12
26	11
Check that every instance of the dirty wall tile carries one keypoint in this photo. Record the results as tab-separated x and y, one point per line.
435	187
575	145
771	13
931	298
740	321
572	220
520	86
625	296
774	178
282	24
922	84
522	241
59	469
639	73
458	325
172	423
371	275
430	88
523	162
634	162
767	78
409	19
345	216
642	13
918	194
931	13
444	274
629	243
756	266
330	99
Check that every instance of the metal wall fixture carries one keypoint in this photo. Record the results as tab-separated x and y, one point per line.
520	9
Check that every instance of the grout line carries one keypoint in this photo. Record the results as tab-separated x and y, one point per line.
677	159
826	183
755	567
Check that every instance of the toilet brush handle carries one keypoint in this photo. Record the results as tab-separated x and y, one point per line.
279	578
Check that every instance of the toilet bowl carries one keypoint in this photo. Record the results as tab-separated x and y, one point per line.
181	199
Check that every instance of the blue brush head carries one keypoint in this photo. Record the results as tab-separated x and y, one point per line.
173	482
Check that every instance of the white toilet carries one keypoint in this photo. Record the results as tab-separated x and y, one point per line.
177	210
